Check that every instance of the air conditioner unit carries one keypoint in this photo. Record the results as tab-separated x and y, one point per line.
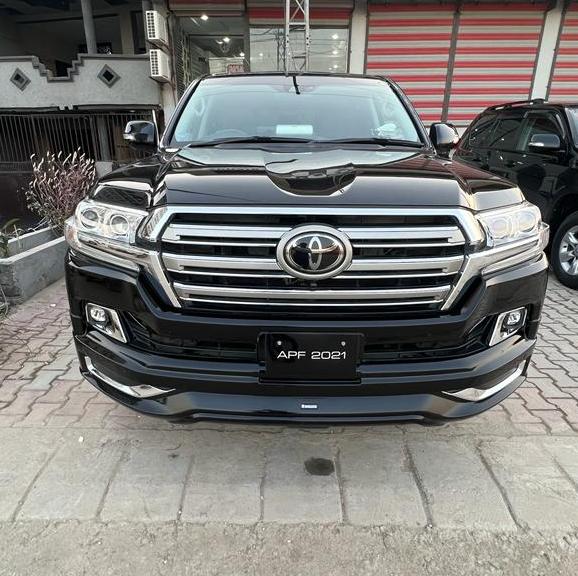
160	66
157	32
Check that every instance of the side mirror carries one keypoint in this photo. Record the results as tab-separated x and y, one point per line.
444	137
141	134
545	143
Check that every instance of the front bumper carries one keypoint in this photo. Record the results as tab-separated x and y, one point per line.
233	390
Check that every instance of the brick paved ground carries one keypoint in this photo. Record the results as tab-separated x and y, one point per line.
68	454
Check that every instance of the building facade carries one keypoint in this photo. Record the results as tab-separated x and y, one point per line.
72	72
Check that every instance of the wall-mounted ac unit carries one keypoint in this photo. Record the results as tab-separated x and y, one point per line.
160	66
157	32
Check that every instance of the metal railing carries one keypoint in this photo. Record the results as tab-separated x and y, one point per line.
96	133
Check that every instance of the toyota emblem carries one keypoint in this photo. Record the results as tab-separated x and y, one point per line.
314	252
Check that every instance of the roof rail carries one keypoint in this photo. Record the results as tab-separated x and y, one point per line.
517	103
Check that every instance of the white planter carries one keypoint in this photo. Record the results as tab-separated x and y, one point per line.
34	261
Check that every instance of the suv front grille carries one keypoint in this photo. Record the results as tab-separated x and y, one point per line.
401	261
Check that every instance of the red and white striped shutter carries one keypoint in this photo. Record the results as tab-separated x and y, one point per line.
336	13
410	43
496	52
564	84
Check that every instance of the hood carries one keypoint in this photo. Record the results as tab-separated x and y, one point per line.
317	176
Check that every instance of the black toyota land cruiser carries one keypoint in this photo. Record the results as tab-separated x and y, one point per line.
534	144
299	249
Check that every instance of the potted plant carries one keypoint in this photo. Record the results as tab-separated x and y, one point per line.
31	261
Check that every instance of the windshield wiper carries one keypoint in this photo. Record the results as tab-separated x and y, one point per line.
248	140
378	141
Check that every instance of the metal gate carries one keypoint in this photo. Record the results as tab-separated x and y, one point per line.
22	134
97	134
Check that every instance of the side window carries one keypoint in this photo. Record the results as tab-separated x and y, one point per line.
538	124
479	132
505	134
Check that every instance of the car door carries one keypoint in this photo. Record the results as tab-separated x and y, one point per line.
540	175
502	157
473	145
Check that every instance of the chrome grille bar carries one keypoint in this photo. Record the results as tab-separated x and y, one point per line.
300	304
188	292
184	233
182	262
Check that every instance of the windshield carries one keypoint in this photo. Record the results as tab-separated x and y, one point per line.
299	107
573	117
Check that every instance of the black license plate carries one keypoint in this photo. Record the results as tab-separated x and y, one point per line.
310	356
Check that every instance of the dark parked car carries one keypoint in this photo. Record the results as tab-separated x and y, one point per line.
535	145
295	250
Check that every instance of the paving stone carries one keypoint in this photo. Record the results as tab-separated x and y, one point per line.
225	480
29	369
533	400
306	498
540	495
531	428
562	379
58	393
460	491
37	415
74	482
566	455
379	486
555	421
43	380
61	361
76	403
94	415
21	458
57	421
73	373
8	421
22	403
149	482
548	389
569	407
542	363
14	362
4	375
518	411
9	389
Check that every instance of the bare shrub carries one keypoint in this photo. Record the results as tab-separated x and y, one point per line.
58	184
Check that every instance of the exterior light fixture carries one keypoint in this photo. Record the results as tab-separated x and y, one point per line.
507	324
204	17
226	39
105	320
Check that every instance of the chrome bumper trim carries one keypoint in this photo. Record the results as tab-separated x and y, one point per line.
140	391
479	394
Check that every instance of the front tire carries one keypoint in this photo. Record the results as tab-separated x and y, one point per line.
564	252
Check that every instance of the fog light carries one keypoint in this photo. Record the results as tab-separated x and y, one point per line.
507	324
97	314
105	320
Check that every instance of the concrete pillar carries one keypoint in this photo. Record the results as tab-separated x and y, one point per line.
88	21
126	32
358	38
547	50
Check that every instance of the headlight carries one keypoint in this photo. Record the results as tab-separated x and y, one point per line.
107	221
510	225
106	232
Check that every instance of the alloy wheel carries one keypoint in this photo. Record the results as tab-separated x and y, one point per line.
568	251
